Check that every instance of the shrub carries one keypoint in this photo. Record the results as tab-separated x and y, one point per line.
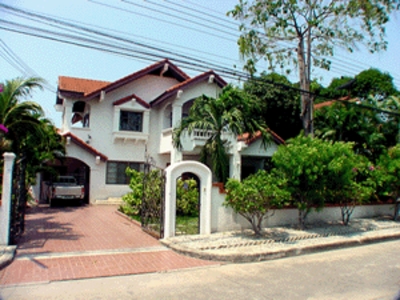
187	198
256	196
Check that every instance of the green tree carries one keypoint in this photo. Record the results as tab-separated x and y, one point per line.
30	135
387	176
19	116
305	33
280	104
256	196
308	165
350	182
233	112
371	82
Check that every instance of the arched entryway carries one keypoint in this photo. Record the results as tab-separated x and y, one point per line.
172	173
68	166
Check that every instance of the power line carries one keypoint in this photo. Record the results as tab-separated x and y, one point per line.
228	72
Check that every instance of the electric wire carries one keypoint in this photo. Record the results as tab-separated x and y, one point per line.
231	73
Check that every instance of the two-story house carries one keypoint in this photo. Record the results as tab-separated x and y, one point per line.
109	126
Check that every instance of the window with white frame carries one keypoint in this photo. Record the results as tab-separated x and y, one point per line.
131	121
116	171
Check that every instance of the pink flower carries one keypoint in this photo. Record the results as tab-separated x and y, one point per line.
3	128
1	88
371	168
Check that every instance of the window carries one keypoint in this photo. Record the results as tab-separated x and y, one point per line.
116	171
131	121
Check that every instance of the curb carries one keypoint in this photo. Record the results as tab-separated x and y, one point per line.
7	256
279	253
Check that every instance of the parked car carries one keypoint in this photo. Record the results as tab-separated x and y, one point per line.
65	188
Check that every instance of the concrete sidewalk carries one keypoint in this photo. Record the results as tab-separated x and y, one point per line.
279	242
239	246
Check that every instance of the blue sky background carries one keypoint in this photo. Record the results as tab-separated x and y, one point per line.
192	28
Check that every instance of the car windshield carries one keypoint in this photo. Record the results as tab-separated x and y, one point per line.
66	180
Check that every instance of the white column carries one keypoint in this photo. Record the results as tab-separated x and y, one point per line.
146	121
235	162
5	208
67	116
176	154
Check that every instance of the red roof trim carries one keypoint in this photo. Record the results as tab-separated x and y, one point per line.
330	102
120	82
129	98
174	89
79	142
249	140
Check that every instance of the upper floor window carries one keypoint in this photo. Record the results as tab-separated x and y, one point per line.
81	114
131	121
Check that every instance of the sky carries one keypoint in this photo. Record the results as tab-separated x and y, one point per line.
181	30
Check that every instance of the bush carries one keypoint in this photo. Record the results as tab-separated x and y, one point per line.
187	198
187	194
256	196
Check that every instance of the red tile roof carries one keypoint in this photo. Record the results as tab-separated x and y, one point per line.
330	102
80	85
92	88
81	143
129	98
249	140
176	72
174	89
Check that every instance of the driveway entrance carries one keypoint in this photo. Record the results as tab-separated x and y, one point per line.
85	242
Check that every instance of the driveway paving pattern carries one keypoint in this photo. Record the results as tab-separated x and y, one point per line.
84	242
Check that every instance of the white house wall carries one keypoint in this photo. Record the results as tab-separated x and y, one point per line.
257	149
225	219
148	88
195	91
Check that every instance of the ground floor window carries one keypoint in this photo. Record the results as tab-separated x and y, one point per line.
116	171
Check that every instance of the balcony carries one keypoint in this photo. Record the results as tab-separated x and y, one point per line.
190	143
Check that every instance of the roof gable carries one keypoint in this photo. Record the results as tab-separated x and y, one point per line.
161	68
187	83
130	98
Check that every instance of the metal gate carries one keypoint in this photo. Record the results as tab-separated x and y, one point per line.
153	201
18	201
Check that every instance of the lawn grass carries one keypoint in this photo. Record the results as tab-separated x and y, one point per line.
185	225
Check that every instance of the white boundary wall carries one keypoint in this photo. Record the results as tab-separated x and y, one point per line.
224	219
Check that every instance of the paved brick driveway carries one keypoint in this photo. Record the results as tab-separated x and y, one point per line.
84	242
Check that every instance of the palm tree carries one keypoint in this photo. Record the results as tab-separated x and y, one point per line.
233	112
19	117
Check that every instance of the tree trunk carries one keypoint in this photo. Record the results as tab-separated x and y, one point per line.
306	114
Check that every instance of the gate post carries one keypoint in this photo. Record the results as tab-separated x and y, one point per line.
5	207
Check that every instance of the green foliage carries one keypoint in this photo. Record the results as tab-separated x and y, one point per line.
186	200
133	200
30	135
304	34
256	196
364	127
387	174
310	167
350	182
187	197
233	112
280	106
319	26
368	82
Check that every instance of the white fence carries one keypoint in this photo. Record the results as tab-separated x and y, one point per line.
224	219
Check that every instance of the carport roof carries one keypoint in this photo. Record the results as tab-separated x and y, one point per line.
81	143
